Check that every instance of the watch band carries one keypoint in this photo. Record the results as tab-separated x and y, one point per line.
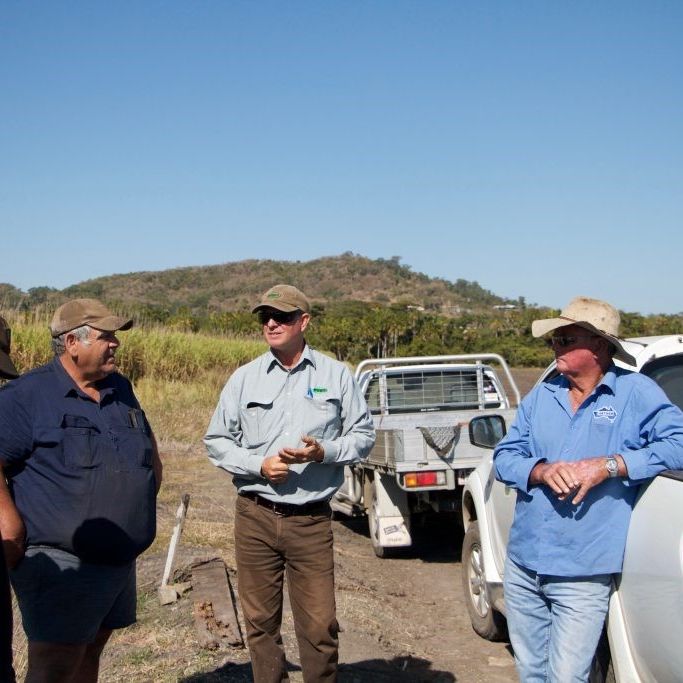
612	466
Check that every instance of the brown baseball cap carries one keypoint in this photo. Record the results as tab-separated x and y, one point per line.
78	312
284	298
7	369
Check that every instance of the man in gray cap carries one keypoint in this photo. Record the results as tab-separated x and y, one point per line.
579	449
285	426
7	371
83	470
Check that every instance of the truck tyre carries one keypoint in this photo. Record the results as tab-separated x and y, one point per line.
485	620
373	520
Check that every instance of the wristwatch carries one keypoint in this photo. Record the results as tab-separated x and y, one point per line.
612	466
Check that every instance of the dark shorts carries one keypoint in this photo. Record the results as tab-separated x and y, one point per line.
65	600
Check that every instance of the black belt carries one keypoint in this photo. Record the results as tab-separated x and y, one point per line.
316	507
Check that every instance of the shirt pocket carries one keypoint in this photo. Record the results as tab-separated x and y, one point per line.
134	448
79	442
322	417
256	422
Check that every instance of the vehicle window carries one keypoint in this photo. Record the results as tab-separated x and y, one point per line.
432	390
668	373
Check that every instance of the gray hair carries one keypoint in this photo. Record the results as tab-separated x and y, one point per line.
59	343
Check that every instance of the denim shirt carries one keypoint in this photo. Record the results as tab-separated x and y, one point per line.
627	414
80	472
265	407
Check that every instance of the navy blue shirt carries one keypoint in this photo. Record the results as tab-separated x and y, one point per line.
80	472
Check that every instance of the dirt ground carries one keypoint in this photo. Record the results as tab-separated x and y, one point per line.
403	619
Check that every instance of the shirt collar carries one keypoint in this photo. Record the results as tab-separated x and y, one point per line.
69	387
608	381
306	357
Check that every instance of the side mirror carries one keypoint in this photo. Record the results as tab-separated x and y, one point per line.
487	430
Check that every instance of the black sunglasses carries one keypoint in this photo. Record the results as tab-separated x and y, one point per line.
280	317
562	341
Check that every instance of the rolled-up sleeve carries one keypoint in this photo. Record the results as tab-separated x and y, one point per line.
358	433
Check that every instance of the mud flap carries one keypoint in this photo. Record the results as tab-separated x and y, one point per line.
393	515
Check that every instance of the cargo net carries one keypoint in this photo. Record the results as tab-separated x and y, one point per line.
441	439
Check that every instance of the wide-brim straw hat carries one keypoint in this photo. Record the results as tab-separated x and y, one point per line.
594	315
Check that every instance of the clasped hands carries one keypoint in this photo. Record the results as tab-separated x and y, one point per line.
570	478
275	468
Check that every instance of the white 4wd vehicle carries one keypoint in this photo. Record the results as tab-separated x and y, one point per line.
645	618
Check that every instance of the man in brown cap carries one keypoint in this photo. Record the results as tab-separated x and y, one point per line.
580	447
83	471
285	426
7	371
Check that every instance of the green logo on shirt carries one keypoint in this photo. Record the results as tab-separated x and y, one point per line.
319	390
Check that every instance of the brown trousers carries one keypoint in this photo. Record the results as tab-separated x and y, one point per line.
266	546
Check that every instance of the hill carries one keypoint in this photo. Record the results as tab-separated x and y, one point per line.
235	286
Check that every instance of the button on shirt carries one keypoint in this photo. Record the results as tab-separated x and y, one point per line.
80	472
265	407
627	414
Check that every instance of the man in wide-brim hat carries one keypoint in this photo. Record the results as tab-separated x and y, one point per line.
579	448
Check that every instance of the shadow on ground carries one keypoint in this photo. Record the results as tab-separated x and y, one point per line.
396	670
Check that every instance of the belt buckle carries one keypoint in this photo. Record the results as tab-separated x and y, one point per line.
277	510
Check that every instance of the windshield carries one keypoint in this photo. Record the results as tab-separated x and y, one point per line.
668	373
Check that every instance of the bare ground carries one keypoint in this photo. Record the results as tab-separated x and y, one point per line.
403	619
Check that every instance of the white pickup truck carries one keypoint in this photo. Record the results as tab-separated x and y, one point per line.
421	408
642	640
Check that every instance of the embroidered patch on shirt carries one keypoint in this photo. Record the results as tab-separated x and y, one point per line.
319	390
605	413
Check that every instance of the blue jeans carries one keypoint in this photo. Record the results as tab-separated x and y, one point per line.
554	622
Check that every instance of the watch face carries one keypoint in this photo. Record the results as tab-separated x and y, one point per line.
612	466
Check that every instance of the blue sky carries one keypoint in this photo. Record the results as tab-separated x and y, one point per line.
534	147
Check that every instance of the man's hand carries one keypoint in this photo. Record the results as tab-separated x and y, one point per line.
579	477
312	451
14	550
590	472
275	470
558	476
12	527
13	536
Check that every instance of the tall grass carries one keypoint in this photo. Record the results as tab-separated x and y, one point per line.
177	375
151	352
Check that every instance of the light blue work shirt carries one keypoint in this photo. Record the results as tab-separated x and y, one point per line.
627	414
265	407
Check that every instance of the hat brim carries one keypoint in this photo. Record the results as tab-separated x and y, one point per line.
285	308
539	328
7	369
112	323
